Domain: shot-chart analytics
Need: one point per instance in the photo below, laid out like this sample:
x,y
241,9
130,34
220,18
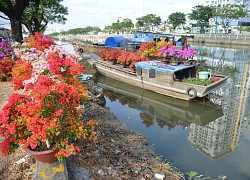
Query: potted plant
x,y
136,58
46,115
123,58
146,49
102,53
187,55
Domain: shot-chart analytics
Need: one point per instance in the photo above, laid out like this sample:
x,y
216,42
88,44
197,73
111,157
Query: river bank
x,y
221,39
118,153
217,39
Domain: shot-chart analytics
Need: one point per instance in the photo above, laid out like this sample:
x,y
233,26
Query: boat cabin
x,y
155,69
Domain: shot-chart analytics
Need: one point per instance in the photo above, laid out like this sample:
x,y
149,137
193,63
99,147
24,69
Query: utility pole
x,y
142,7
171,4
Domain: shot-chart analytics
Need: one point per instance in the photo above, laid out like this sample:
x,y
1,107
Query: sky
x,y
99,13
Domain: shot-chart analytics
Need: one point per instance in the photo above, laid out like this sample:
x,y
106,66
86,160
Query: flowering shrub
x,y
40,42
188,53
146,48
123,58
110,54
172,51
20,72
52,61
166,51
160,44
47,114
5,49
6,65
151,52
129,59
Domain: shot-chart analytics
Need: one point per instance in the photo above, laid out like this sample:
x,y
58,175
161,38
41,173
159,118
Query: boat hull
x,y
162,83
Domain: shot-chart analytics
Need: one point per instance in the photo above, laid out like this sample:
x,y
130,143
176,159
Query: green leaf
x,y
192,174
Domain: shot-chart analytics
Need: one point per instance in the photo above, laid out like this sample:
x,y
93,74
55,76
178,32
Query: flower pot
x,y
216,79
112,62
186,63
43,156
192,61
165,60
174,63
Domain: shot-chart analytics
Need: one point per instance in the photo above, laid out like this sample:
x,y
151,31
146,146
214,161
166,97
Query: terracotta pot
x,y
216,79
43,156
186,63
174,63
113,62
193,61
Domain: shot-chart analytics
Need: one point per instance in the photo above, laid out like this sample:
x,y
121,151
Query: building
x,y
245,21
5,33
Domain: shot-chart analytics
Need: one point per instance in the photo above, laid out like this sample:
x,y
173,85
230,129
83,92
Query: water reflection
x,y
239,53
163,110
222,136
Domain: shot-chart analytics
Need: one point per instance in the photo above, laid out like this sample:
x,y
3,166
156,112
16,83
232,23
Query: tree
x,y
107,29
229,12
176,19
201,14
34,14
127,25
139,24
116,27
38,14
14,11
148,22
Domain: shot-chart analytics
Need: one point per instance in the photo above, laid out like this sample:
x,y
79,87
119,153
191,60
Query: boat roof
x,y
156,65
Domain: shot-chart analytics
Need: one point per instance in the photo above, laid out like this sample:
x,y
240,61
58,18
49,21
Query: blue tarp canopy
x,y
156,65
114,41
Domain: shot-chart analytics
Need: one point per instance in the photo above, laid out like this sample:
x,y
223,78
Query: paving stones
x,y
53,171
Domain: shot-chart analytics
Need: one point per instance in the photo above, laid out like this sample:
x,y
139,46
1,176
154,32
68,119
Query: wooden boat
x,y
159,107
162,79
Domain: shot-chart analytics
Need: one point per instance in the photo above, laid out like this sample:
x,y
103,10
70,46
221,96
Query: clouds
x,y
100,13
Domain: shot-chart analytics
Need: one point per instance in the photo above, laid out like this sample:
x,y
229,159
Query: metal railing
x,y
224,36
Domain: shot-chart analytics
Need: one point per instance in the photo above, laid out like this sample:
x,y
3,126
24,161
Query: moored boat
x,y
160,78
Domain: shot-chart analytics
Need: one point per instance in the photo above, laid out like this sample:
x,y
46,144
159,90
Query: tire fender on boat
x,y
191,95
81,50
93,66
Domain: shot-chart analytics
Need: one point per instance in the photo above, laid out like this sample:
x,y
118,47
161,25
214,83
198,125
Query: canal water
x,y
211,138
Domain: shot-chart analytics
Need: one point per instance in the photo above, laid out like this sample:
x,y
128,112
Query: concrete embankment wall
x,y
240,40
219,39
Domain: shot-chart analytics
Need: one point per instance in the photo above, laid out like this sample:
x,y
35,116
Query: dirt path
x,y
5,91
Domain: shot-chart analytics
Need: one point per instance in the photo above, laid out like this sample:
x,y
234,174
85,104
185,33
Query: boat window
x,y
185,73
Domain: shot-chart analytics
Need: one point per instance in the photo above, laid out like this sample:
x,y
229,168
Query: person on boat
x,y
184,42
167,39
